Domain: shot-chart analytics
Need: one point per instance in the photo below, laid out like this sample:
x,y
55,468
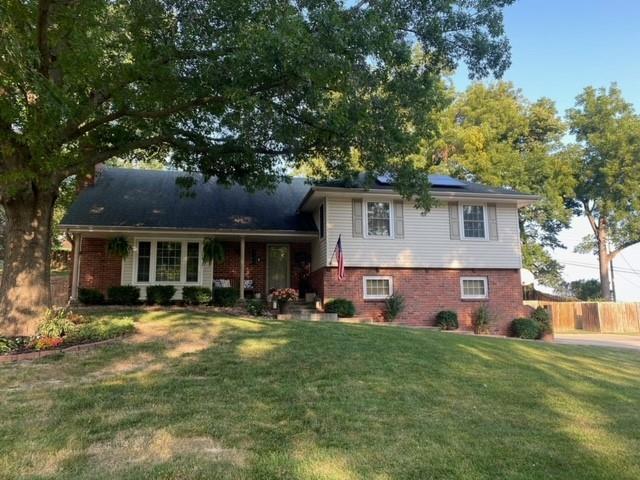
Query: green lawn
x,y
203,396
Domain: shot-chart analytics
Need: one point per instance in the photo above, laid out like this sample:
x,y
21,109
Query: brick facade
x,y
428,291
255,264
98,268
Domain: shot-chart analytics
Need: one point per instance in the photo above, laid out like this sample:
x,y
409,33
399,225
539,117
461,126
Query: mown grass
x,y
196,395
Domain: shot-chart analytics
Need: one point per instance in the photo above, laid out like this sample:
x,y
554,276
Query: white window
x,y
376,288
378,219
474,287
167,261
474,221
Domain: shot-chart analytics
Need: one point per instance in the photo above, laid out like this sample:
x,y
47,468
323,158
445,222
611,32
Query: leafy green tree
x,y
585,289
233,88
493,135
608,189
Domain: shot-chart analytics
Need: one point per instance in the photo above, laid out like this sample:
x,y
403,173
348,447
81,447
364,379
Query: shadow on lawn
x,y
230,398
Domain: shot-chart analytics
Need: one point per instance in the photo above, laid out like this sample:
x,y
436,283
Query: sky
x,y
558,47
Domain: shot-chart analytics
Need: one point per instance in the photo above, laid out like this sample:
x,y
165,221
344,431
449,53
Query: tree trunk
x,y
25,290
604,260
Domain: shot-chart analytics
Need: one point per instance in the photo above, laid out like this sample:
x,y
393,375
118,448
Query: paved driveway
x,y
599,340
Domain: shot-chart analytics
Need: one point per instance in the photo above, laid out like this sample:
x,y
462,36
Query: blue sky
x,y
559,47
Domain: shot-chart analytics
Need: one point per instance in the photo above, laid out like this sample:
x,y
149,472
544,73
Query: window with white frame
x,y
144,261
167,261
474,287
473,221
377,287
378,219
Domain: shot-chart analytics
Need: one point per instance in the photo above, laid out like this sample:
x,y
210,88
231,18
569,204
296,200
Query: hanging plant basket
x,y
212,251
119,246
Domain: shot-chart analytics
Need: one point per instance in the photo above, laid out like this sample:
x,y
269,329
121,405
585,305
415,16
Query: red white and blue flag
x,y
340,258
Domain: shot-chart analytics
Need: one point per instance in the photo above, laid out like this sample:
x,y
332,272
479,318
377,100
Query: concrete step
x,y
311,316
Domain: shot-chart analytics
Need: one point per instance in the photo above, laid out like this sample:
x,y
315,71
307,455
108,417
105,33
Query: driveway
x,y
599,340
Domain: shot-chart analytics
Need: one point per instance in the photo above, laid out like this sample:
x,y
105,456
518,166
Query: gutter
x,y
227,232
526,198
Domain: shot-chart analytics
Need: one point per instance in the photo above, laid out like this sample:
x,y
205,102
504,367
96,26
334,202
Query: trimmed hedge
x,y
341,306
225,297
90,296
196,295
447,320
525,328
123,295
160,294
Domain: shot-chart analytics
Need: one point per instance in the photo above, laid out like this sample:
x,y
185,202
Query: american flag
x,y
340,257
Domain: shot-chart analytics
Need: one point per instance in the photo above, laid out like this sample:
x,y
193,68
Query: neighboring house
x,y
462,254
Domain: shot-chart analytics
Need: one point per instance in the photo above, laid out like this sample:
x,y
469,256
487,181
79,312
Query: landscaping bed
x,y
61,329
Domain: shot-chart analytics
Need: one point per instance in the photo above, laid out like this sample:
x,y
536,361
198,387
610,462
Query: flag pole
x,y
334,250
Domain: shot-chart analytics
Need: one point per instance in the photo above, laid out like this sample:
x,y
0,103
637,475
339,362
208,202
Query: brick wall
x,y
427,291
255,264
98,268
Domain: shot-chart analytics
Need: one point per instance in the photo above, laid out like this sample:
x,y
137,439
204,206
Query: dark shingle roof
x,y
151,199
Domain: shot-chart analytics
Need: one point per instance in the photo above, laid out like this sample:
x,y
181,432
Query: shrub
x,y
525,328
90,296
160,294
99,330
341,306
482,320
225,297
255,307
13,344
447,320
541,315
123,295
55,323
196,295
394,306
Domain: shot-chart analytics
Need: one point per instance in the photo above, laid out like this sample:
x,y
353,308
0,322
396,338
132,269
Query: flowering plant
x,y
47,343
285,294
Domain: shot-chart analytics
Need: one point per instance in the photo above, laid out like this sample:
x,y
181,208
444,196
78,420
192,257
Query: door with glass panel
x,y
277,266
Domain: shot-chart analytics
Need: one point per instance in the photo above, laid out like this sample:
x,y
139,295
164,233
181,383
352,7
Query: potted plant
x,y
119,246
212,251
283,296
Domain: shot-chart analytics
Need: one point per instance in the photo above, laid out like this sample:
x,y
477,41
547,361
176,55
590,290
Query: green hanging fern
x,y
212,251
119,246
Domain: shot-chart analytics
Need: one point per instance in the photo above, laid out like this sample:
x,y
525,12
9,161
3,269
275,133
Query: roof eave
x,y
522,199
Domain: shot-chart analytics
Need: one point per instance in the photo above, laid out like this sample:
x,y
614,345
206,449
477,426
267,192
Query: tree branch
x,y
629,243
42,35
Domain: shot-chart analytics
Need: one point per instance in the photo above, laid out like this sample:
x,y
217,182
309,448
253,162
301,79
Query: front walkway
x,y
599,340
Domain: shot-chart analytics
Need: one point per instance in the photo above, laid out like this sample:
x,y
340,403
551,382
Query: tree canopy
x,y
237,89
608,181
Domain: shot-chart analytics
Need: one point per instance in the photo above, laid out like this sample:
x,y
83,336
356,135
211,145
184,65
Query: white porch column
x,y
75,272
241,268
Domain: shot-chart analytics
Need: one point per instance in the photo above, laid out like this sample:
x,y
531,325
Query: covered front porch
x,y
256,266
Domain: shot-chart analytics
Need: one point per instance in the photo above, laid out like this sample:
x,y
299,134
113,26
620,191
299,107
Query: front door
x,y
277,266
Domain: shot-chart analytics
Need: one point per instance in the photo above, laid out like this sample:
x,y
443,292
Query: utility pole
x,y
613,281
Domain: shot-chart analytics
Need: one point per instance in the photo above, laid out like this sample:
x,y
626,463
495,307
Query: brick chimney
x,y
89,179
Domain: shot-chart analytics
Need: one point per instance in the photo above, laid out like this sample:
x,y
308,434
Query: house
x,y
462,254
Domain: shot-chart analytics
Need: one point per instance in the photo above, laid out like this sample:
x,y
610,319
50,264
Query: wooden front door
x,y
278,266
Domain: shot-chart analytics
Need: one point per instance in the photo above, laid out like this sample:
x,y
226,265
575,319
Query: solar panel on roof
x,y
386,179
444,181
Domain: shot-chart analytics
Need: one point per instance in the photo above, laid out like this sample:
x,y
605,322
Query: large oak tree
x,y
239,89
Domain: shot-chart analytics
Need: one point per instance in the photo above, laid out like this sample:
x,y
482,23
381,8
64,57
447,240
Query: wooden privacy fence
x,y
603,317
